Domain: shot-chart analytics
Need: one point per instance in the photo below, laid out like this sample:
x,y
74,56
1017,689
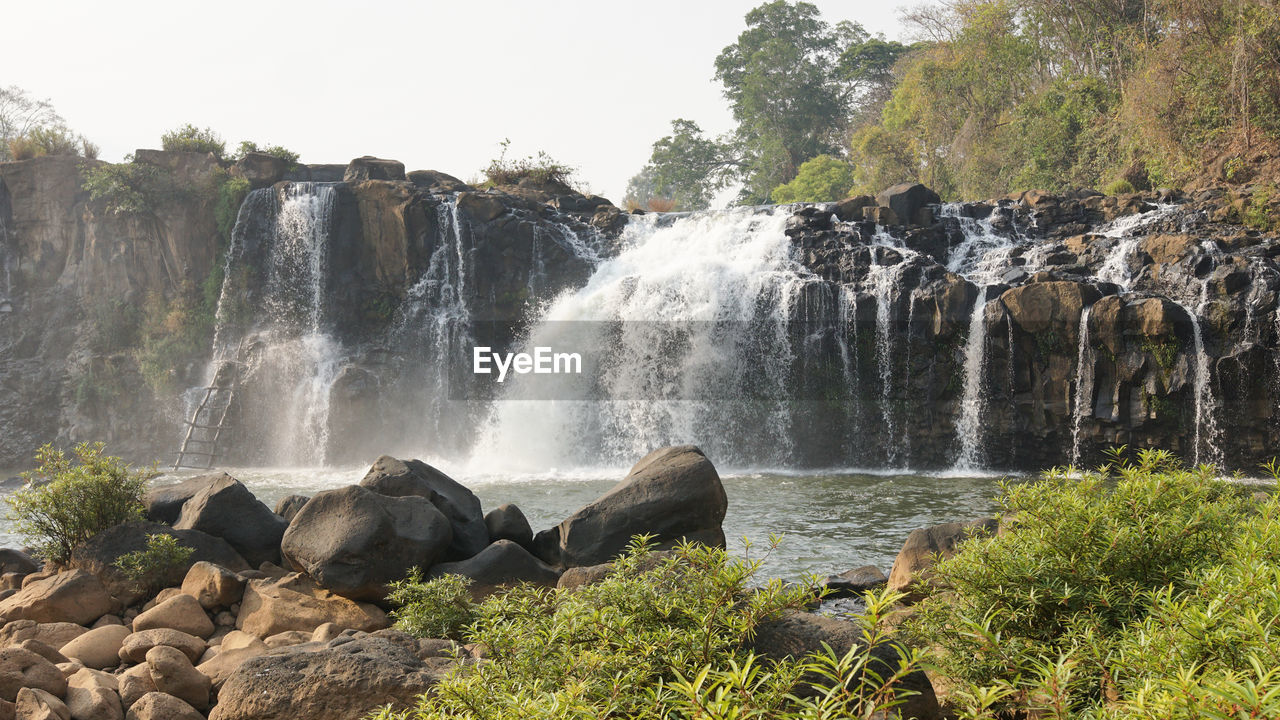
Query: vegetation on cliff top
x,y
993,96
31,128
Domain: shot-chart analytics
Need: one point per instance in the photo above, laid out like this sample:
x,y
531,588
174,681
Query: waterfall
x,y
1083,405
1206,403
685,337
885,280
972,402
1115,268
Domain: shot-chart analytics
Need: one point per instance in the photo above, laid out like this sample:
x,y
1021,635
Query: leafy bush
x,y
540,169
1088,597
128,188
660,636
190,138
70,499
440,608
231,193
148,568
1119,187
825,178
248,146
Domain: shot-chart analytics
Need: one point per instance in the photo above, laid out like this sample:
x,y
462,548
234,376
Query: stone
x,y
502,564
51,634
294,602
135,683
289,506
226,509
74,596
507,522
36,704
70,667
135,647
354,541
21,668
163,596
262,170
221,666
372,168
106,620
401,478
850,209
436,181
45,651
1055,307
910,569
577,577
160,706
1168,249
799,634
87,678
671,493
481,207
173,673
164,502
99,648
16,561
852,583
11,581
906,199
288,638
181,612
213,586
99,554
94,703
332,683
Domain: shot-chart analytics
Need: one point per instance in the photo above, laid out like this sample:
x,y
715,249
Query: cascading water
x,y
1083,401
885,282
687,332
1116,267
1207,437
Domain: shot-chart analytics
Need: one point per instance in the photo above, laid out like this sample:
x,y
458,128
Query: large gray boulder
x,y
16,561
672,493
164,502
372,168
353,541
225,508
98,555
507,522
907,200
502,564
339,680
401,478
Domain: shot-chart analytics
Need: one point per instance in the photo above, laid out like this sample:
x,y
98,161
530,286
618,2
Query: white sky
x,y
436,85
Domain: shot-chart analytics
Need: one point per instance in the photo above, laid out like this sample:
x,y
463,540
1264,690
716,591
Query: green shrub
x,y
1052,614
128,188
439,608
1118,187
825,178
147,569
50,140
190,138
1259,212
70,499
231,194
176,331
248,146
660,636
540,169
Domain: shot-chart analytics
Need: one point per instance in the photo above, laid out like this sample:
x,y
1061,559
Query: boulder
x,y
173,673
135,683
262,170
164,502
436,181
798,634
502,564
74,596
288,638
910,569
481,207
672,493
907,200
1055,307
294,602
850,209
226,509
400,478
16,561
289,506
507,522
213,586
354,541
372,168
94,703
161,706
99,554
21,668
345,679
51,634
180,612
134,649
231,655
852,583
36,704
45,651
99,648
89,678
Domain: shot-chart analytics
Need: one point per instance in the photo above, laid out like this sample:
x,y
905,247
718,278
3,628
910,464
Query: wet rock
x,y
226,509
400,478
1054,306
852,583
354,541
164,502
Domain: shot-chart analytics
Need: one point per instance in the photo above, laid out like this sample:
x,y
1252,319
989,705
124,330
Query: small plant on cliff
x,y
50,140
1119,187
438,608
661,636
541,169
231,194
175,331
248,146
70,499
148,568
190,138
127,188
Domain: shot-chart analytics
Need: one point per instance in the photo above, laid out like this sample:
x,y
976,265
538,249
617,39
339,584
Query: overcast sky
x,y
434,84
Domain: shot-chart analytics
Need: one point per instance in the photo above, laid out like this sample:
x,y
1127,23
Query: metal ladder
x,y
205,427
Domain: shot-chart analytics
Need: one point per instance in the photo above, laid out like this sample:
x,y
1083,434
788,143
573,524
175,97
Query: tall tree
x,y
20,114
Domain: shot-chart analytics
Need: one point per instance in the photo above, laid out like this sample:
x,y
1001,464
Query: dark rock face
x,y
353,541
289,506
504,563
99,553
344,679
164,503
16,561
907,200
671,493
399,478
507,522
225,508
372,168
262,170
